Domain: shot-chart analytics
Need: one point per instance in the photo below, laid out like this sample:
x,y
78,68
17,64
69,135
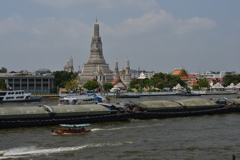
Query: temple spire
x,y
116,74
96,29
127,66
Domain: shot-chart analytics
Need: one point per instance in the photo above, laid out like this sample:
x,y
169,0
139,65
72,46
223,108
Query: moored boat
x,y
83,99
18,96
187,93
72,128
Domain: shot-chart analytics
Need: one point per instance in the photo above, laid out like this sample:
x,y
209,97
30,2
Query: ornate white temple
x,y
96,67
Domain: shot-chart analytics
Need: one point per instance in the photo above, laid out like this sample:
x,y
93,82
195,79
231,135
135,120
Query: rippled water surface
x,y
208,137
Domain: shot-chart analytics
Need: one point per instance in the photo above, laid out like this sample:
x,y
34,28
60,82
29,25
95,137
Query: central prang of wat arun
x,y
96,67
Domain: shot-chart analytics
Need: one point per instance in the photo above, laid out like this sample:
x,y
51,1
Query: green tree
x,y
3,84
91,85
72,85
203,82
140,83
107,86
3,70
61,78
231,78
146,82
134,83
162,80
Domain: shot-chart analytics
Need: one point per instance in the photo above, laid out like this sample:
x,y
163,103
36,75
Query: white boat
x,y
82,99
18,96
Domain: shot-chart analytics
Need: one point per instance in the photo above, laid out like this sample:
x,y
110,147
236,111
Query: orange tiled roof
x,y
118,80
176,72
115,81
182,73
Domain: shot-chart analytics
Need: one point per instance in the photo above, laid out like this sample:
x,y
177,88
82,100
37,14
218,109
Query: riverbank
x,y
139,94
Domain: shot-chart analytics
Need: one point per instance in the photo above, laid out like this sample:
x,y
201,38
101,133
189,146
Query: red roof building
x,y
182,73
118,83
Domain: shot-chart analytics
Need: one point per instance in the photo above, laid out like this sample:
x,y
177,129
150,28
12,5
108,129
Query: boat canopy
x,y
74,125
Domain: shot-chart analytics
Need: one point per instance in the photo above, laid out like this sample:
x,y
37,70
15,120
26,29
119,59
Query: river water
x,y
207,137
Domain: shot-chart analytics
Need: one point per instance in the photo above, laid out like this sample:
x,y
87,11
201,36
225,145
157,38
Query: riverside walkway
x,y
167,93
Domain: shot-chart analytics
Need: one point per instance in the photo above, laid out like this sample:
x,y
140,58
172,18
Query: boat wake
x,y
33,151
120,128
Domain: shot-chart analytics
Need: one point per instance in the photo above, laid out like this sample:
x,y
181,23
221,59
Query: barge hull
x,y
69,120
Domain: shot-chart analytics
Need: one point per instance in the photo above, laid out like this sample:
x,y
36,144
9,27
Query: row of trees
x,y
70,81
231,78
91,85
227,79
159,80
162,80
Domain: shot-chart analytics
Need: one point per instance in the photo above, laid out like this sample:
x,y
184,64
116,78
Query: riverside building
x,y
30,83
136,73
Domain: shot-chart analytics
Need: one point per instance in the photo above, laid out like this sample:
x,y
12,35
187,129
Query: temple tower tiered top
x,y
96,67
125,75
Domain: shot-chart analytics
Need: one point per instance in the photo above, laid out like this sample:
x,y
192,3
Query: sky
x,y
156,35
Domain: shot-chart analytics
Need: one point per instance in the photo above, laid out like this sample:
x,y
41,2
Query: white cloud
x,y
194,24
159,22
52,40
103,4
15,23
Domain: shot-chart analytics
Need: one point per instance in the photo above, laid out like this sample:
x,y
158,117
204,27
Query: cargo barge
x,y
182,108
44,115
70,114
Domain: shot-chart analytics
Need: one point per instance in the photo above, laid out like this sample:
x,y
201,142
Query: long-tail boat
x,y
72,128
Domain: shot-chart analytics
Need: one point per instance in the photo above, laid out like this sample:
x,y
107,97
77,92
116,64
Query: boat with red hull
x,y
72,128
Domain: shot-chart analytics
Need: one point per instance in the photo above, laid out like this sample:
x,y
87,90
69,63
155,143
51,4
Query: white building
x,y
137,73
218,74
